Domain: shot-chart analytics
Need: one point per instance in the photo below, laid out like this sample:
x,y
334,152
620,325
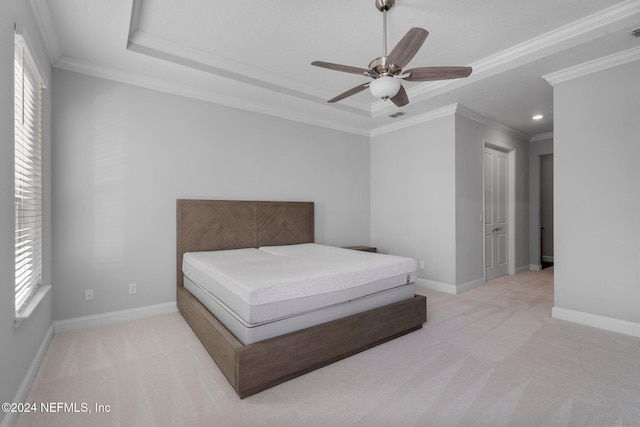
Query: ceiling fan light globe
x,y
384,87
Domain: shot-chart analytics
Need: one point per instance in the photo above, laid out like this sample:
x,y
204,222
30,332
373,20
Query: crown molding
x,y
145,43
557,39
470,114
431,115
594,66
447,111
159,48
541,137
71,64
42,14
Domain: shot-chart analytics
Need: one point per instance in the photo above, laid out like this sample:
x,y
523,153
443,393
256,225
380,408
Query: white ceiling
x,y
256,55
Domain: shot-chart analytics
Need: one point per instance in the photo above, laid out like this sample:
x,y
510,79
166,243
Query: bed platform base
x,y
256,367
211,225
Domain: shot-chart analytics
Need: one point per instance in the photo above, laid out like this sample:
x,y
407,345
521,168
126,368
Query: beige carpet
x,y
489,357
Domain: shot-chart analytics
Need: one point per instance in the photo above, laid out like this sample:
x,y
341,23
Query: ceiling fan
x,y
387,70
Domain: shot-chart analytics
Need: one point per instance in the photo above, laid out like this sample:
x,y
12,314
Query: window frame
x,y
28,93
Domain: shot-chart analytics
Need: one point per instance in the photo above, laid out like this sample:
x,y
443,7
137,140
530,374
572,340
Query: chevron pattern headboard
x,y
212,225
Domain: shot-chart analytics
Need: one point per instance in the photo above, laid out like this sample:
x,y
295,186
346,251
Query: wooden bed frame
x,y
207,225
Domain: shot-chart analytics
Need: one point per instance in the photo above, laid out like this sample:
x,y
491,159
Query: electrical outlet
x,y
88,294
133,288
421,264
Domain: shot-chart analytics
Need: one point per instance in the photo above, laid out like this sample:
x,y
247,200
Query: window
x,y
28,178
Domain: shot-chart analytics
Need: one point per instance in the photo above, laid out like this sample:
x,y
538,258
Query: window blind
x,y
28,175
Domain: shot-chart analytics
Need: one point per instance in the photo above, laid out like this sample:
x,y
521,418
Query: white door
x,y
496,213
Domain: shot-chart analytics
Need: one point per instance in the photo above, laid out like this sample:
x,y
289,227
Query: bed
x,y
254,359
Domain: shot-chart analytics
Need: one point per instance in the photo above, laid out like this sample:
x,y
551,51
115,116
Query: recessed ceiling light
x,y
537,117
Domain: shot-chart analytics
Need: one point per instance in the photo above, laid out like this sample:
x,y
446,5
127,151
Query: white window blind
x,y
28,175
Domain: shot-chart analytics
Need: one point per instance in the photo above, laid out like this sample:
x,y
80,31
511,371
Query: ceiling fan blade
x,y
338,67
407,47
401,99
350,92
426,74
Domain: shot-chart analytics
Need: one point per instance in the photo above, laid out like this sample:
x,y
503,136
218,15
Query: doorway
x,y
546,210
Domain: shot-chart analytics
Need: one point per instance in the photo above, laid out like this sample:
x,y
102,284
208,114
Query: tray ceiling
x,y
256,55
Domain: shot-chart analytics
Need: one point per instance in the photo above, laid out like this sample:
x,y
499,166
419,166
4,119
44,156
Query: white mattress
x,y
260,285
251,333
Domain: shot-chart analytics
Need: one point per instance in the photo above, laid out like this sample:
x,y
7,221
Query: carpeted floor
x,y
492,356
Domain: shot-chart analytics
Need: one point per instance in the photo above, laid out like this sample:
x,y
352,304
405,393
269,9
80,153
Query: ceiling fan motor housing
x,y
384,4
379,67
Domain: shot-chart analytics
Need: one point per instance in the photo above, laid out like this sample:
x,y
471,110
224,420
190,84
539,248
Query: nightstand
x,y
363,248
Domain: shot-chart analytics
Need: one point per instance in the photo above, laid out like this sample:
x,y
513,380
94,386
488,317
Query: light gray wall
x,y
537,148
123,156
471,136
469,201
427,197
19,345
413,196
597,193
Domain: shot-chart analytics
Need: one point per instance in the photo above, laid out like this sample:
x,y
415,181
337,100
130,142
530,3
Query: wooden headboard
x,y
212,225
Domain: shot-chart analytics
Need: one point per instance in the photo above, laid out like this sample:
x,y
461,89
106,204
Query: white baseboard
x,y
448,288
11,418
470,285
522,269
535,267
597,321
113,317
547,258
436,286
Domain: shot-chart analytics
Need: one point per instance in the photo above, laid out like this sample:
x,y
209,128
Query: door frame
x,y
511,202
